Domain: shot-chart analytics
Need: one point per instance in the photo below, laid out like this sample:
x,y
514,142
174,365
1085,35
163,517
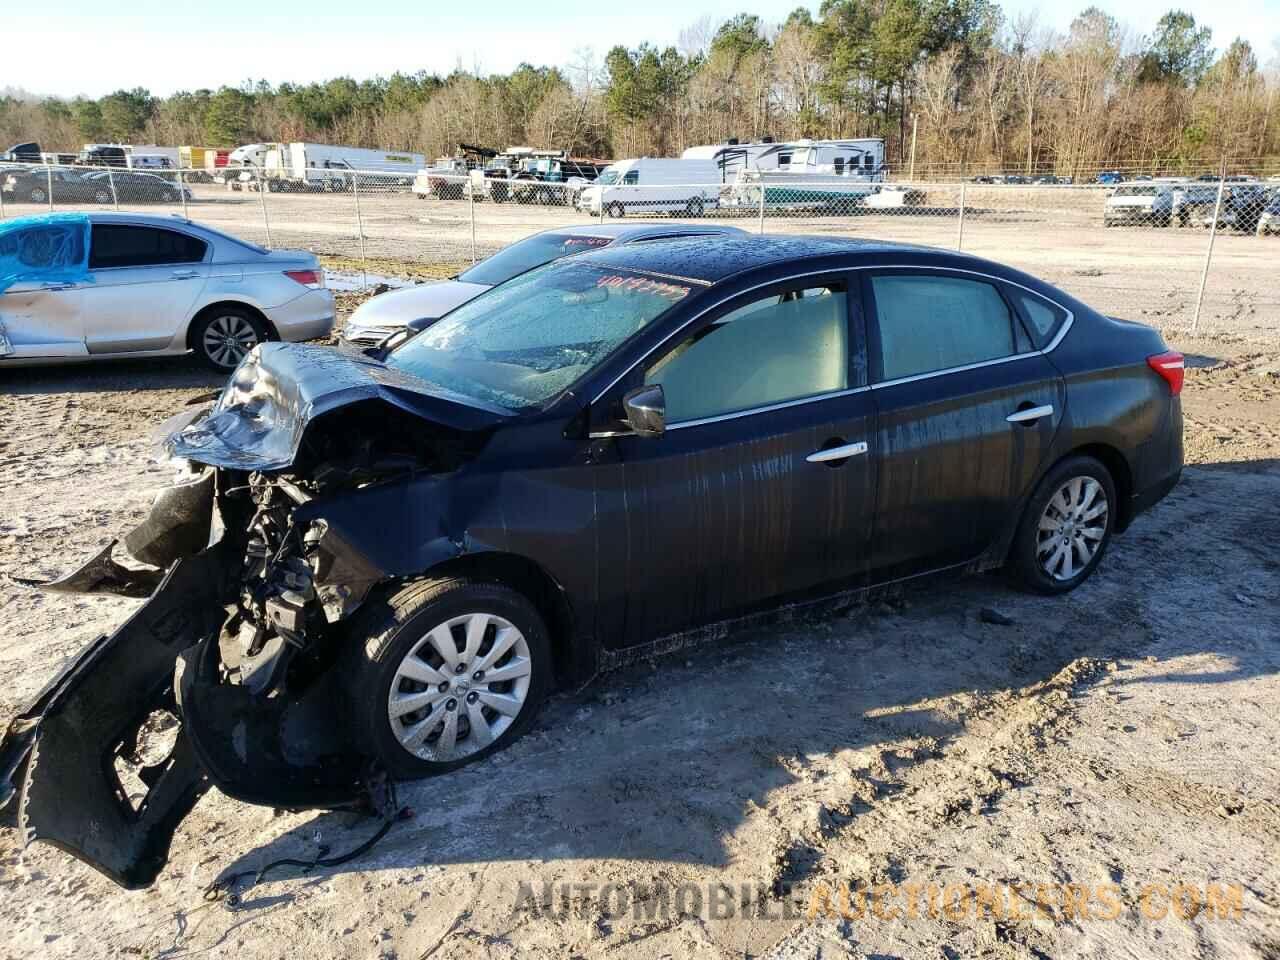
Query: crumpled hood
x,y
262,415
392,310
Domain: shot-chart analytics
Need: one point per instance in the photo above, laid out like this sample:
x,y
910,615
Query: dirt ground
x,y
1123,736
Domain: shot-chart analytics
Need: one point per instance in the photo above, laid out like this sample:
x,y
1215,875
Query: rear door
x,y
145,281
967,411
761,487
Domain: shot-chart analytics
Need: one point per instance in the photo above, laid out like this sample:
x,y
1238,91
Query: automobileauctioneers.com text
x,y
889,902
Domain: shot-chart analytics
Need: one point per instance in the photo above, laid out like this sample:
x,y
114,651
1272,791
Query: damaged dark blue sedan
x,y
379,568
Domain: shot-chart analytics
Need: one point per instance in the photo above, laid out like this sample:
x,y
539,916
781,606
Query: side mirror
x,y
418,324
645,409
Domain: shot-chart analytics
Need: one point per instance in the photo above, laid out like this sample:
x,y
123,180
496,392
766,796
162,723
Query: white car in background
x,y
155,286
377,318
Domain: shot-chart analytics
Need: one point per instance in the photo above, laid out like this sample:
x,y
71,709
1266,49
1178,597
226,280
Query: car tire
x,y
616,210
169,196
405,699
102,196
694,208
212,332
38,195
1059,541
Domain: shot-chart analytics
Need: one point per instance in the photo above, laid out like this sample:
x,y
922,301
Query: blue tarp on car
x,y
53,248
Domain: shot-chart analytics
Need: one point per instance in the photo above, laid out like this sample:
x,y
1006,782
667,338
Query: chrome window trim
x,y
1048,348
736,414
769,408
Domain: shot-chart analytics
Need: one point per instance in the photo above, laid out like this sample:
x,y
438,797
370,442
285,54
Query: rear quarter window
x,y
1042,317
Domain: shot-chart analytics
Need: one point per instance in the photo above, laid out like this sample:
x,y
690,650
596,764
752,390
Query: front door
x,y
145,281
968,409
761,488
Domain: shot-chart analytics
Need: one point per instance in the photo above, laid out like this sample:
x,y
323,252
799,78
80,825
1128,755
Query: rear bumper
x,y
308,317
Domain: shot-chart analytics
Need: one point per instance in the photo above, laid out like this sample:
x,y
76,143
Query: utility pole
x,y
915,123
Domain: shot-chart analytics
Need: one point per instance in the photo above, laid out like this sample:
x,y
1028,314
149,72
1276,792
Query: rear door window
x,y
929,323
116,245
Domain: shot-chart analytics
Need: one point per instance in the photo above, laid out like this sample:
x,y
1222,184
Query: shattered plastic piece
x,y
62,748
101,574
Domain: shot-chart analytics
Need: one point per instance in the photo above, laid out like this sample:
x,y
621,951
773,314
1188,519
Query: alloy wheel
x,y
460,687
228,339
1072,528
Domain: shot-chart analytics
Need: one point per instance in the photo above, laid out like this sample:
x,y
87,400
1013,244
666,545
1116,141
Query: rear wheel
x,y
615,210
102,196
38,195
1066,527
224,336
694,207
444,673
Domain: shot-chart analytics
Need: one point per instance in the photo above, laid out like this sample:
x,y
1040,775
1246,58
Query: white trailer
x,y
859,158
653,185
320,166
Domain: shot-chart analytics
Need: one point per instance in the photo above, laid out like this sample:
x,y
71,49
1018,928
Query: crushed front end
x,y
233,662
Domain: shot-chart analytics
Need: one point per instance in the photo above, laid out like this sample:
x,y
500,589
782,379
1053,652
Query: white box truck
x,y
653,185
321,166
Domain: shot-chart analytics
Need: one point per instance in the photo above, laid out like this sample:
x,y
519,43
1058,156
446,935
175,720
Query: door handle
x,y
1030,413
57,286
185,274
838,453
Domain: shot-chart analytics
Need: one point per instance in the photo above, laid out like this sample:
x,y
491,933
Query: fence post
x,y
49,172
182,193
262,193
471,194
364,256
762,205
1208,253
1,203
111,182
960,230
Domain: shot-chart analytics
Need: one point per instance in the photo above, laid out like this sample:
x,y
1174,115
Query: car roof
x,y
629,232
712,259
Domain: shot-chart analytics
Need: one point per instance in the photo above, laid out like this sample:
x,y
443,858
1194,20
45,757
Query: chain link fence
x,y
1189,254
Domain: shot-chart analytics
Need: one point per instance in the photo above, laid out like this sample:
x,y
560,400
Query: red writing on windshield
x,y
668,291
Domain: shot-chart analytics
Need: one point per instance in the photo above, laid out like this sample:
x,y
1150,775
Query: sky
x,y
93,48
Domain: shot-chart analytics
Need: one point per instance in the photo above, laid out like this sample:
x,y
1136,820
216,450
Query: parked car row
x,y
379,565
1248,207
66,185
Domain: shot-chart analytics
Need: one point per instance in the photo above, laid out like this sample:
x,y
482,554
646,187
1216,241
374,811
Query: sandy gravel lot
x,y
1125,735
1054,232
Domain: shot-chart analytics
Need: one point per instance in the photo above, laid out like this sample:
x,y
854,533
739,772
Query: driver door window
x,y
776,349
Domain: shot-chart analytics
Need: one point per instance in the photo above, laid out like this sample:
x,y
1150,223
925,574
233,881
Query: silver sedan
x,y
149,286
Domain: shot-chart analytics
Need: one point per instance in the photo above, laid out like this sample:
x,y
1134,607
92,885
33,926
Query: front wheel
x,y
38,195
1066,527
694,207
445,672
615,210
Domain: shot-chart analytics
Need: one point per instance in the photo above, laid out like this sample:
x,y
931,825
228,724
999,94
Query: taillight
x,y
308,278
1171,366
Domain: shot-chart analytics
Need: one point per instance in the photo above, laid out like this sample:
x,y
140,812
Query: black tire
x,y
38,195
1023,563
169,196
384,634
616,210
102,196
694,208
208,353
